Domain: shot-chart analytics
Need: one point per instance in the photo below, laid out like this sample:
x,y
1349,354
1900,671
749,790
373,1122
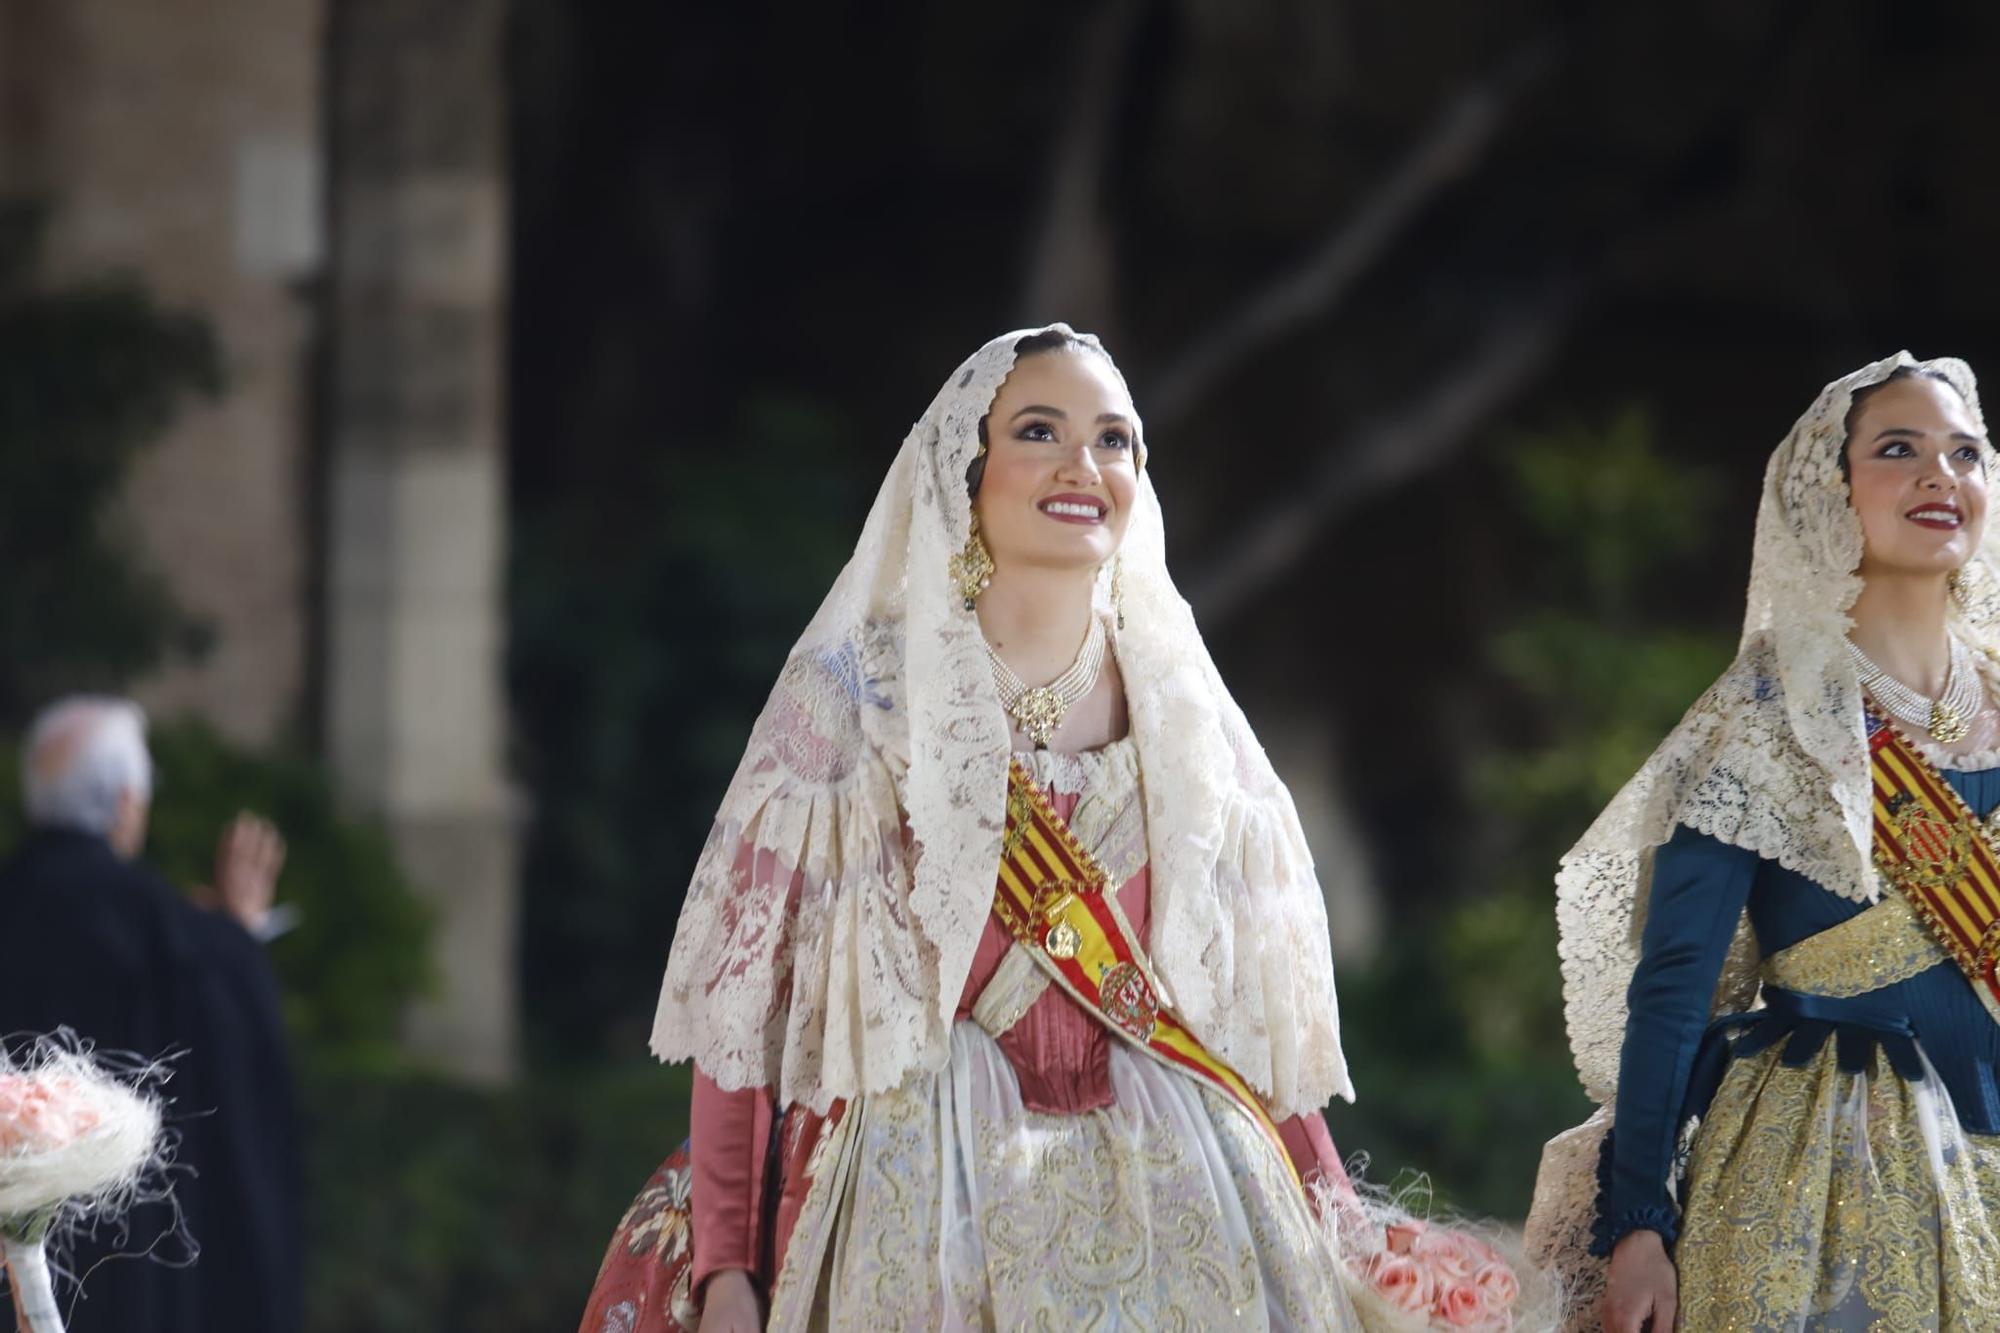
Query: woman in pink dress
x,y
1087,1096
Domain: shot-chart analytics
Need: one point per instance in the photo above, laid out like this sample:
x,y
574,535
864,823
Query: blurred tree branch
x,y
1071,270
1453,144
1515,348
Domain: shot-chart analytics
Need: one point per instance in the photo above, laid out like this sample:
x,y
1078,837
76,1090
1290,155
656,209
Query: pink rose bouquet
x,y
44,1114
74,1140
1405,1284
1429,1276
1452,1264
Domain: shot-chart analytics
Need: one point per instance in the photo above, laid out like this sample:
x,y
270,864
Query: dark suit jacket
x,y
107,948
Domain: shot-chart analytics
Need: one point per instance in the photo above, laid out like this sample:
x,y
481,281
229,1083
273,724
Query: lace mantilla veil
x,y
1772,758
834,911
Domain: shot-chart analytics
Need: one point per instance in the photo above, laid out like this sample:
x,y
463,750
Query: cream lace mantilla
x,y
834,911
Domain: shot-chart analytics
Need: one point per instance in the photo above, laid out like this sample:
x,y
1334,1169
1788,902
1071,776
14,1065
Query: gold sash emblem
x,y
1128,1001
1938,850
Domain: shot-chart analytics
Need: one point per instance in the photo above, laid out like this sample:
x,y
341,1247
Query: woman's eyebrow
x,y
1913,432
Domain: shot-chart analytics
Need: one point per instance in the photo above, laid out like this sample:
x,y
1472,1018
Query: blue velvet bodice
x,y
1700,888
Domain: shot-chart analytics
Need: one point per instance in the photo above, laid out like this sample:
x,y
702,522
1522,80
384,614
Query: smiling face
x,y
1061,472
1916,477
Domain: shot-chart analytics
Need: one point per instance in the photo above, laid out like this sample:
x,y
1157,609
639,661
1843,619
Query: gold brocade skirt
x,y
1823,1200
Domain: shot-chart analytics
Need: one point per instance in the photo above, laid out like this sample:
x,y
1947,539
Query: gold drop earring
x,y
972,568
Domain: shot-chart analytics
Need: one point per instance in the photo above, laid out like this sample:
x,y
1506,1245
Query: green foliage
x,y
1589,661
1605,696
1607,510
88,376
362,948
647,627
1476,1063
1454,1035
436,1206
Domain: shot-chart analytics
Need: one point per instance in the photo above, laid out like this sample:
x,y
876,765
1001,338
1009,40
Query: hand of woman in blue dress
x,y
729,1304
1641,1295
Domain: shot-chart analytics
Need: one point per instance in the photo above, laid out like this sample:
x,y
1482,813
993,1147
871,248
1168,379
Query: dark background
x,y
1485,317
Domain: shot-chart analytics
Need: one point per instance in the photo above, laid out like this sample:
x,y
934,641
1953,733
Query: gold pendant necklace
x,y
1038,710
1947,719
1946,726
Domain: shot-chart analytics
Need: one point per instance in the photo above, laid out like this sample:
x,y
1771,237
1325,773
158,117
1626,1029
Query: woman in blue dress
x,y
1778,939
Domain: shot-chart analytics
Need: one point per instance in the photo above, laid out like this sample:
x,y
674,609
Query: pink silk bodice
x,y
1060,1054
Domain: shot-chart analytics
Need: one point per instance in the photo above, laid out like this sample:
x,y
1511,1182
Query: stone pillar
x,y
1301,748
180,141
413,709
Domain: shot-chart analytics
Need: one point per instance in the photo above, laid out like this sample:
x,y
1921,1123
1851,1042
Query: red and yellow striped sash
x,y
1934,850
1056,902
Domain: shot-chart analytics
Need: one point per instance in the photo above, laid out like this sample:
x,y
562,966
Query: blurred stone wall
x,y
322,180
179,140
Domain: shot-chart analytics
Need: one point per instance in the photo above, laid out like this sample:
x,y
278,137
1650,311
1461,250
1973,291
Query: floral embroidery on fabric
x,y
657,1221
643,1284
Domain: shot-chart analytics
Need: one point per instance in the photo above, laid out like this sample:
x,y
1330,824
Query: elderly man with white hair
x,y
97,943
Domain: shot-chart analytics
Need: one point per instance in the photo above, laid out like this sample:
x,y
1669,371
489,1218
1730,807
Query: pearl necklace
x,y
1039,710
1946,718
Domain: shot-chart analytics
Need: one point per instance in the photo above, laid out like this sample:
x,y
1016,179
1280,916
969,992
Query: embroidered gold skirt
x,y
1834,1202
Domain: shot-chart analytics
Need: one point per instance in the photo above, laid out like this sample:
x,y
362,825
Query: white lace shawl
x,y
1772,758
833,914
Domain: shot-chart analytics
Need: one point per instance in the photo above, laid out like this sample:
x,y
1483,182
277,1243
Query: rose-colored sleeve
x,y
1311,1146
730,1134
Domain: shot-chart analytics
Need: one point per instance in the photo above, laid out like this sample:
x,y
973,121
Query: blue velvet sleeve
x,y
1700,888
